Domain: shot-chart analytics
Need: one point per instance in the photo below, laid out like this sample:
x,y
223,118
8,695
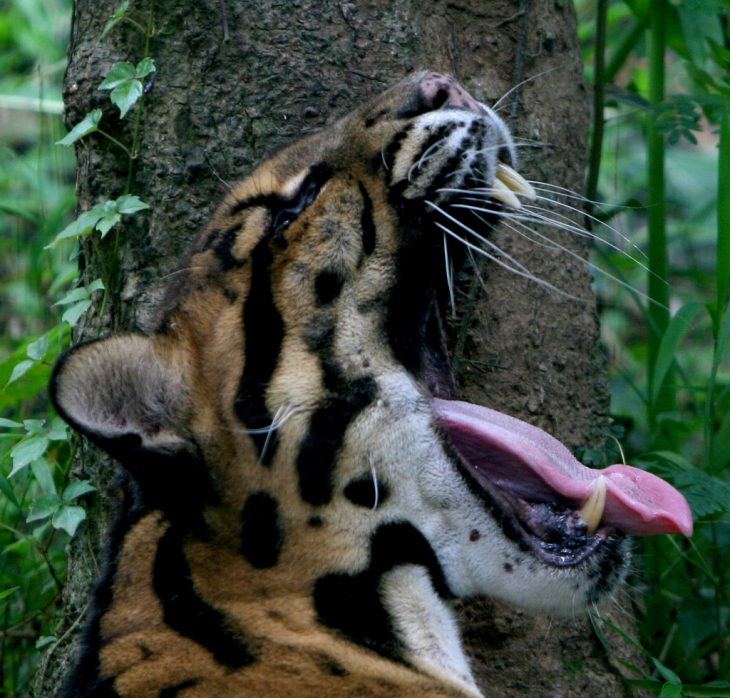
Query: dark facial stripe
x,y
367,222
187,613
351,603
264,330
224,248
346,399
261,534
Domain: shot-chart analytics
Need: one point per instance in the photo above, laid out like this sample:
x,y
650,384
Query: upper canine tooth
x,y
515,181
503,193
592,510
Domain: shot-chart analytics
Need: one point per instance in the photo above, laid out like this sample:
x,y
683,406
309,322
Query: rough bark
x,y
237,79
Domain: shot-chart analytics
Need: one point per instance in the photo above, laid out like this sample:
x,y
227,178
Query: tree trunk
x,y
238,79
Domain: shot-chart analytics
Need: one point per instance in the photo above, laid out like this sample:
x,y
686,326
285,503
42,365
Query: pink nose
x,y
440,90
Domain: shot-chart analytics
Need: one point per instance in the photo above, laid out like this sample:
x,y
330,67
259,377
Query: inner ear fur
x,y
123,392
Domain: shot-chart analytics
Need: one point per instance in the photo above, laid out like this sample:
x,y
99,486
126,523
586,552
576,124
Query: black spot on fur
x,y
375,118
367,222
351,603
189,614
315,521
264,331
361,491
346,398
331,666
261,534
508,567
172,691
327,286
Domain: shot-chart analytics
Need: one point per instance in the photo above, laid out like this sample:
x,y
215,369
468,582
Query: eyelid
x,y
305,189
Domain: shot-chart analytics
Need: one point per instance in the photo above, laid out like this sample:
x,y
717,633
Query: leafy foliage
x,y
675,400
41,506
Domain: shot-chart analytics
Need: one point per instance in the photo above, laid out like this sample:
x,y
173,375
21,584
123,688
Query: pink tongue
x,y
526,460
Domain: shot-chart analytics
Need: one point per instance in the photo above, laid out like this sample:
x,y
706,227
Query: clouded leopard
x,y
308,495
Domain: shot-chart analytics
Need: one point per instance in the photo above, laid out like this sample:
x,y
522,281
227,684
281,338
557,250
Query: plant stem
x,y
658,310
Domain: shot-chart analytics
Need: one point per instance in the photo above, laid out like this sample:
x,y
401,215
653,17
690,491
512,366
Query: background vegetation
x,y
661,154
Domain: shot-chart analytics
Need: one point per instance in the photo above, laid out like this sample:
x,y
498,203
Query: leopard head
x,y
293,407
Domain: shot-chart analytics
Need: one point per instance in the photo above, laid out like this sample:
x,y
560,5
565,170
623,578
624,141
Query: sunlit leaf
x,y
118,74
74,295
87,125
106,223
26,452
68,518
144,68
72,314
77,489
117,17
20,370
43,475
9,423
129,203
43,507
44,641
38,349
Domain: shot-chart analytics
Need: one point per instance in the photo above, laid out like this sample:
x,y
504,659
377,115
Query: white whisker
x,y
375,482
495,106
449,277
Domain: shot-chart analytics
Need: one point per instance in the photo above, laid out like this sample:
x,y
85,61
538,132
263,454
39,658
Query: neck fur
x,y
427,627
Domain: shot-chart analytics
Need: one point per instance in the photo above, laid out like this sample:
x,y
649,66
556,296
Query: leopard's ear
x,y
124,393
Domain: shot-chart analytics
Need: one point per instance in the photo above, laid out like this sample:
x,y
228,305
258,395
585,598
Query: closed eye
x,y
286,210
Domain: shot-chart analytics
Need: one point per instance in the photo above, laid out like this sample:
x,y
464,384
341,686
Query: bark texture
x,y
238,79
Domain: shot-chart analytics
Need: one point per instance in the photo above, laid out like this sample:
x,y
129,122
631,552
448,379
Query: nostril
x,y
440,98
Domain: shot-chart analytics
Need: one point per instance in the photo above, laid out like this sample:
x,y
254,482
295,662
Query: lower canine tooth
x,y
592,510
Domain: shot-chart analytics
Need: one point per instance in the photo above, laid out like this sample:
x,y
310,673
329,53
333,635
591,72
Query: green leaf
x,y
117,17
666,673
96,284
34,426
42,473
74,295
675,332
26,452
77,489
72,314
118,74
68,518
129,203
43,507
38,349
83,225
108,222
20,370
87,125
671,690
58,431
9,423
144,68
7,490
126,95
44,641
7,592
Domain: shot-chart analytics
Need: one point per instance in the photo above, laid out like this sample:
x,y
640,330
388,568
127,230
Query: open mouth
x,y
555,507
